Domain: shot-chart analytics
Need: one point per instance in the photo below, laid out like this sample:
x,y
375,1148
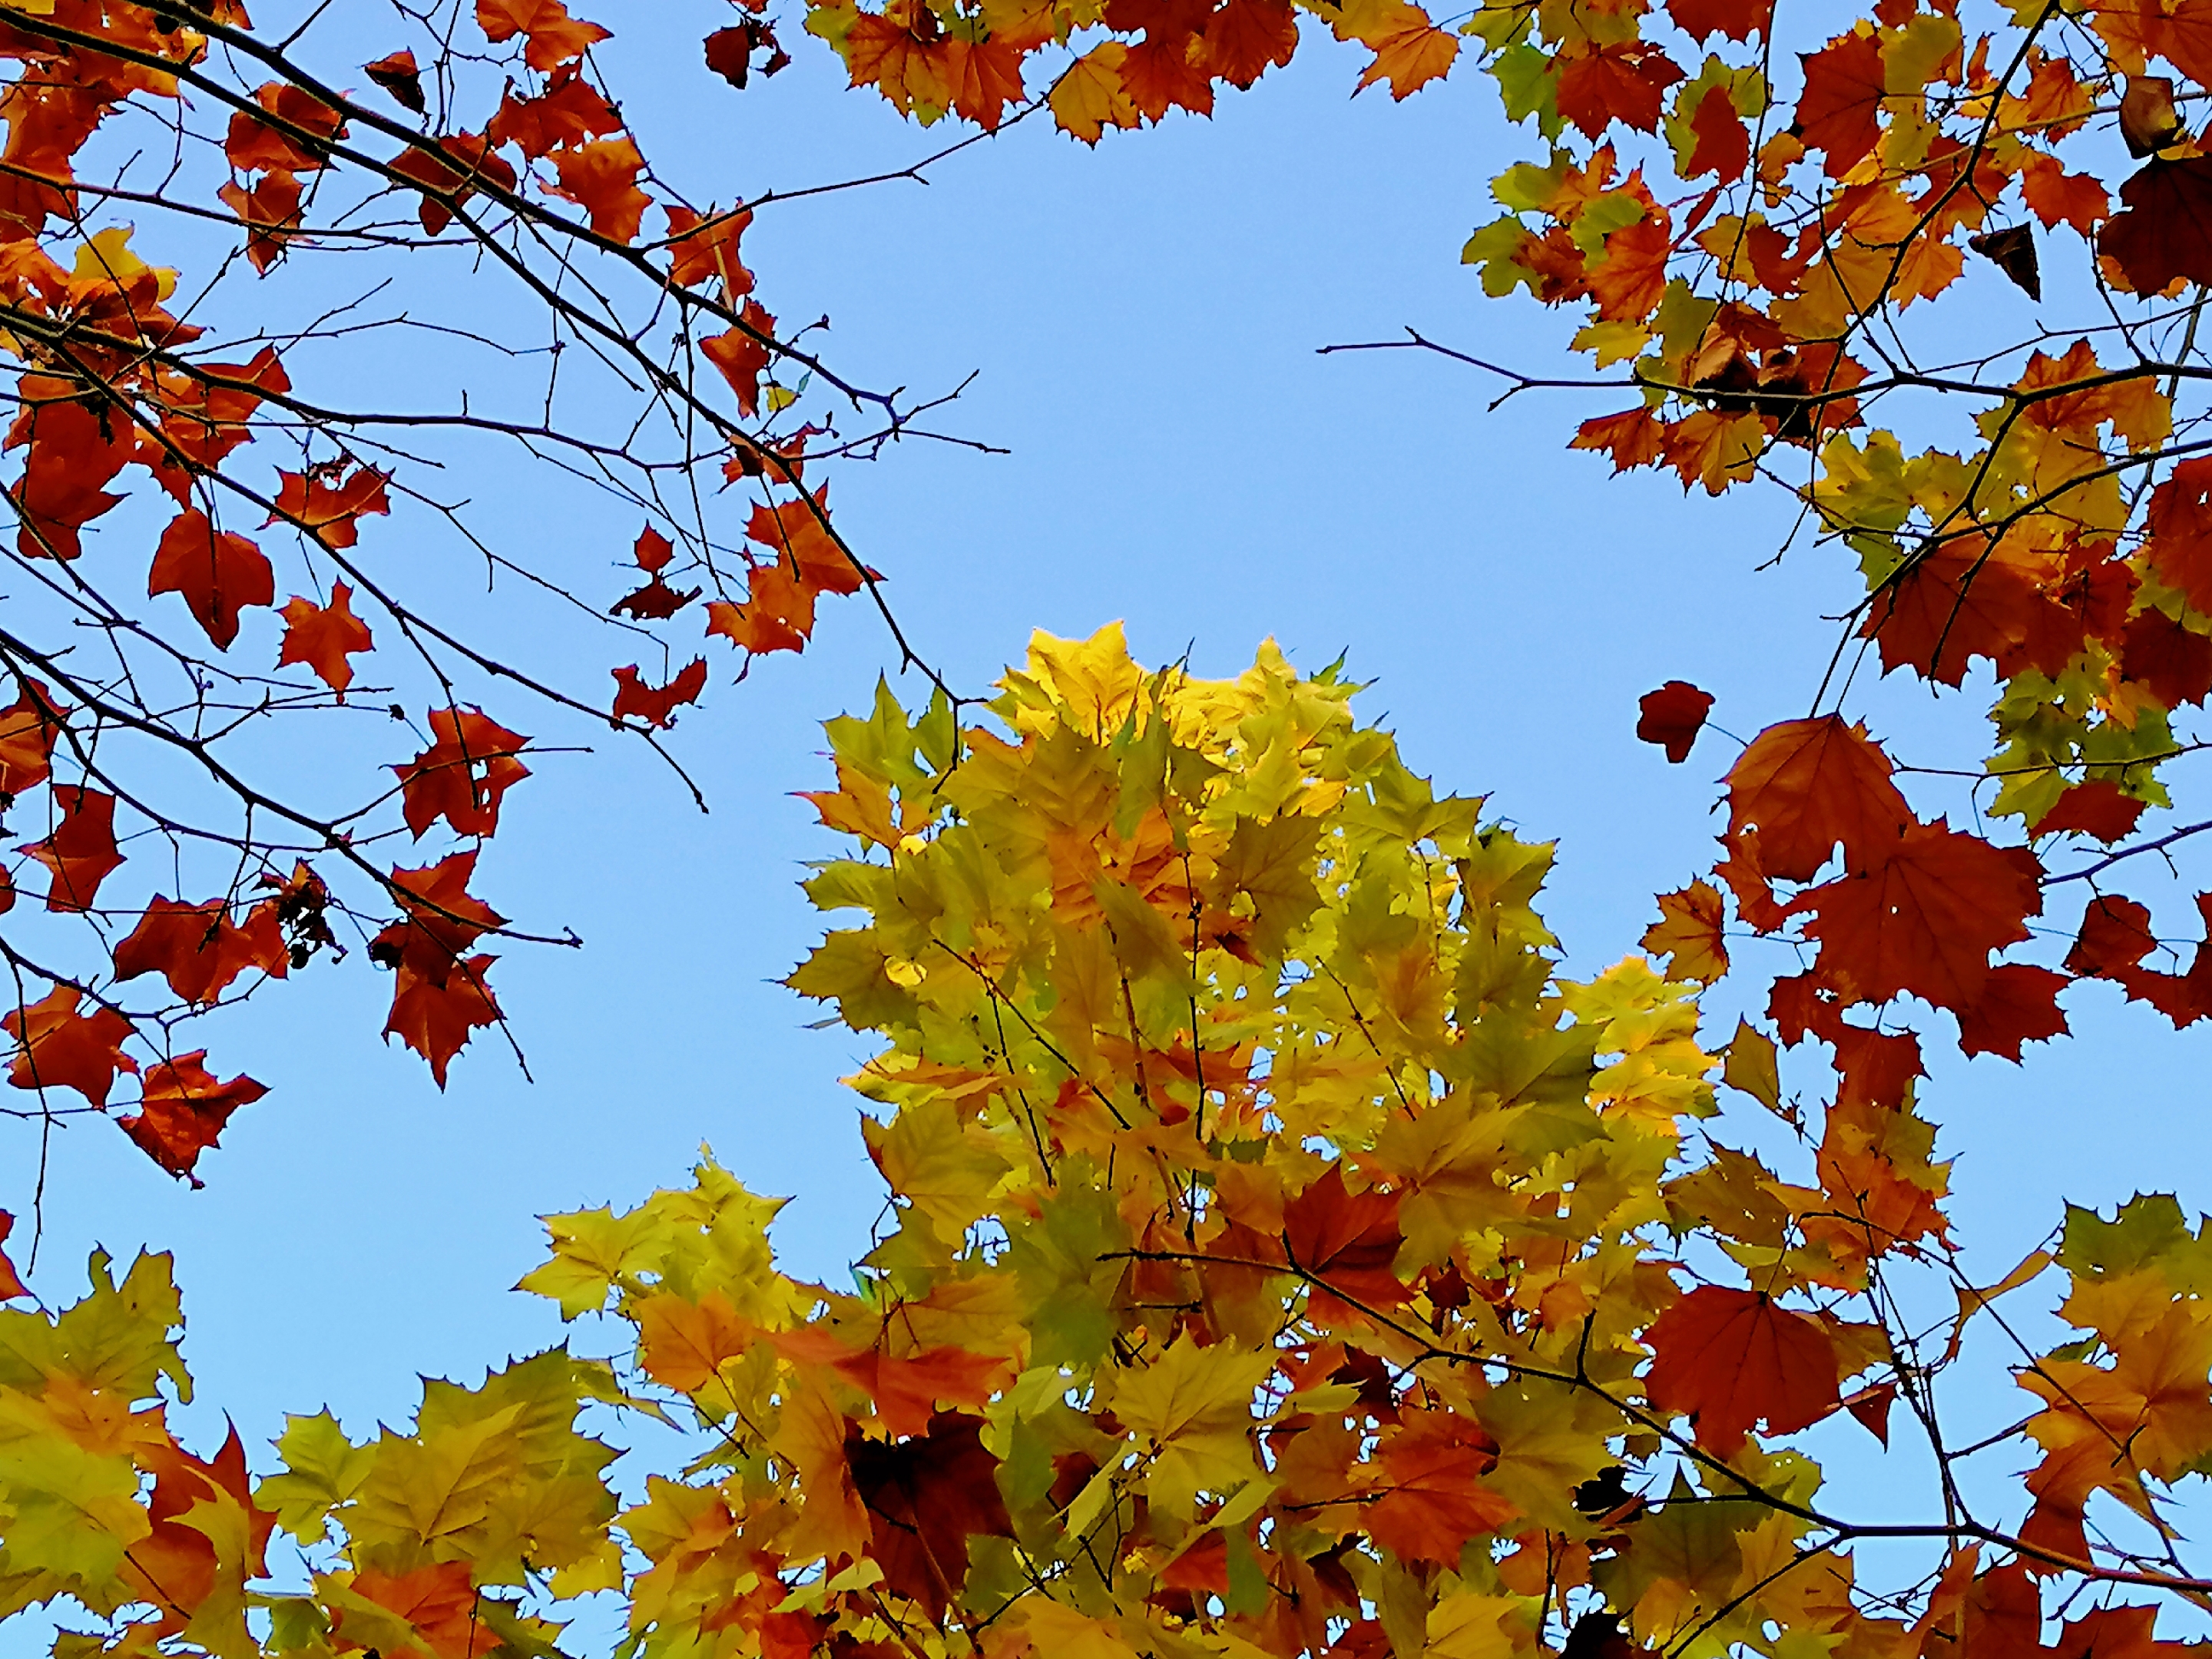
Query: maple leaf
x,y
797,531
1410,49
324,637
1635,437
269,209
28,728
1244,39
601,178
1689,930
449,170
2163,232
1090,96
219,574
926,1497
553,37
469,765
2096,807
199,950
182,1111
704,248
1625,82
1730,1359
741,356
81,853
2059,197
2018,1004
2180,522
1806,785
441,919
1430,1499
1348,1242
398,75
73,455
1838,112
657,705
2013,252
58,1047
1738,20
324,502
2170,659
11,1283
1922,915
290,145
1672,717
777,615
435,1015
1723,143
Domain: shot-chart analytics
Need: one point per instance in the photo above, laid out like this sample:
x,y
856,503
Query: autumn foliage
x,y
1283,1259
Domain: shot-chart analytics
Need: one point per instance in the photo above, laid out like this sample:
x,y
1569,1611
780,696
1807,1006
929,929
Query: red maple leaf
x,y
656,705
1672,717
1348,1241
462,775
11,1284
1730,1358
1739,19
1838,111
182,1111
1724,145
254,145
2163,235
324,637
434,1017
1806,785
441,919
449,172
218,572
703,249
58,1047
926,1497
1625,82
2115,935
796,531
199,950
1923,916
570,110
741,354
81,852
2019,1004
28,728
2174,660
2094,808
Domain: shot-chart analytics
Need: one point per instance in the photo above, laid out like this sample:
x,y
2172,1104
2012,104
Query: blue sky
x,y
1141,321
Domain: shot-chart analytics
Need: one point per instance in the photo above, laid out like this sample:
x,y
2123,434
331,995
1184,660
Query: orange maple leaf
x,y
219,574
1806,785
1730,1358
571,111
1348,1242
81,852
795,530
601,178
741,354
434,1018
58,1047
469,765
439,1601
1429,1496
704,248
656,705
182,1110
28,728
326,501
777,615
199,950
554,38
449,170
324,637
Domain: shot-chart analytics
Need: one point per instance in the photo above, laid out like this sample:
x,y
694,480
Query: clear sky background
x,y
1142,322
